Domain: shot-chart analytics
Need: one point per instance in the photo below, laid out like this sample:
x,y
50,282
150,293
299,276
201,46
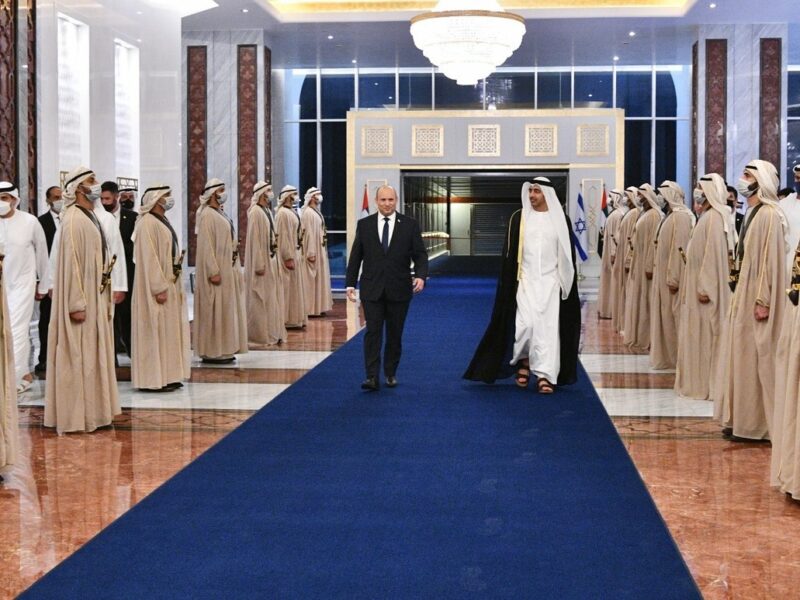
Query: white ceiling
x,y
548,42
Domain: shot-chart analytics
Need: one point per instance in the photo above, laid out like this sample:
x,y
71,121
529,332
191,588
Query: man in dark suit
x,y
386,243
126,219
734,204
49,222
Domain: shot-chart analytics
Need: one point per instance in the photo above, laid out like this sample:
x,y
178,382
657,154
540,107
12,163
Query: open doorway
x,y
464,215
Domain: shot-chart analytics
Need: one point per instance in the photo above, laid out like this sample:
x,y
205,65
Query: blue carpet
x,y
439,488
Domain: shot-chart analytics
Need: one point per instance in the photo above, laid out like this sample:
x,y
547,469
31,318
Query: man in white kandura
x,y
26,262
315,268
545,278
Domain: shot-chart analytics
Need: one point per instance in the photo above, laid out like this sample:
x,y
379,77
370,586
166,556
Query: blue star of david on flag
x,y
579,230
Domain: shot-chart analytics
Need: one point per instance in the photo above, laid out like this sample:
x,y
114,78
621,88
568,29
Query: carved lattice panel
x,y
541,140
428,141
377,141
484,140
593,140
9,157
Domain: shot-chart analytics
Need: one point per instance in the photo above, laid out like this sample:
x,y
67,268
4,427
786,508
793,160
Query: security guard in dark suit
x,y
49,224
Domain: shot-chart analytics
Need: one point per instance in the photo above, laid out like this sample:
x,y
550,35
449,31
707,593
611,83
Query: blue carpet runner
x,y
439,488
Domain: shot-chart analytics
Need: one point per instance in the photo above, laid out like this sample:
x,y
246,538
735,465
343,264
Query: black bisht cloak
x,y
492,357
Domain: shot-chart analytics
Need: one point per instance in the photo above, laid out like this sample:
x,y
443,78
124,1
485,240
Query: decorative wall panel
x,y
267,115
484,140
377,141
33,137
9,108
427,141
247,144
770,101
197,135
716,106
541,140
593,140
695,105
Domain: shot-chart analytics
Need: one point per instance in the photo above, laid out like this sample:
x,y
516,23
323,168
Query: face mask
x,y
222,197
319,199
58,206
270,196
745,188
5,208
697,196
169,202
94,192
662,202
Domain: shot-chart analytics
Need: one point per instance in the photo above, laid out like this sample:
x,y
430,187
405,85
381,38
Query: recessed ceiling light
x,y
616,58
354,61
138,12
139,40
330,37
591,96
376,83
391,98
631,34
245,10
712,5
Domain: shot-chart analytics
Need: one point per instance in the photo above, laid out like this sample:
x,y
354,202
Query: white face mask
x,y
169,202
270,195
5,207
94,192
319,199
744,187
697,196
223,197
58,206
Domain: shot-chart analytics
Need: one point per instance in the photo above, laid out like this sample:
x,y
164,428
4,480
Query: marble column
x,y
267,115
32,113
197,136
9,96
754,88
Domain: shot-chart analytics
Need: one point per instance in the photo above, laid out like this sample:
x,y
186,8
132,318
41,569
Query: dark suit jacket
x,y
127,221
48,223
390,272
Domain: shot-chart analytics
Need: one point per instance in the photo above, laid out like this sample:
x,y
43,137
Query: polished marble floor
x,y
738,536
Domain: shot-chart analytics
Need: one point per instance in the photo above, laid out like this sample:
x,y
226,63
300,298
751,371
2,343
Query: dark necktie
x,y
385,236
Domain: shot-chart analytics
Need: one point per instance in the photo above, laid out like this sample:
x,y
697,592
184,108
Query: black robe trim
x,y
492,357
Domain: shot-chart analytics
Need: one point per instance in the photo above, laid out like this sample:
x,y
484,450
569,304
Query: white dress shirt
x,y
392,219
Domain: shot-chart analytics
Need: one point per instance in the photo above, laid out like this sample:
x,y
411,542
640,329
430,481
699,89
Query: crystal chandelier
x,y
469,39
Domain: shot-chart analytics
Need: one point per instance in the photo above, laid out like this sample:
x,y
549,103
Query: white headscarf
x,y
566,272
633,194
212,185
767,177
312,191
716,192
649,195
673,193
287,189
616,198
150,198
6,187
259,189
75,178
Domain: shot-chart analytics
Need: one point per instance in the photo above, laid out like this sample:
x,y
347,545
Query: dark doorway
x,y
464,215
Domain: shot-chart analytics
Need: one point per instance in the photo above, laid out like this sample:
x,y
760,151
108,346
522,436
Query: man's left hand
x,y
419,285
761,312
648,275
118,297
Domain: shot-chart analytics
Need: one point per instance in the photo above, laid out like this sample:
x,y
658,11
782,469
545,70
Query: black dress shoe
x,y
219,361
391,381
370,384
40,368
727,432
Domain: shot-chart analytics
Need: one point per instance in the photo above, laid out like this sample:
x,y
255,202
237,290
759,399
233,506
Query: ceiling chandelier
x,y
469,39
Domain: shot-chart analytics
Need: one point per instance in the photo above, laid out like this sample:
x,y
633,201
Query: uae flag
x,y
603,209
365,203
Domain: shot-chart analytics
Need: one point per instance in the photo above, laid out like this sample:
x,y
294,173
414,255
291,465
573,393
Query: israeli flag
x,y
580,230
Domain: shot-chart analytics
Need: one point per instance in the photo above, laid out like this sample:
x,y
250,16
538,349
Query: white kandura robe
x,y
25,248
539,299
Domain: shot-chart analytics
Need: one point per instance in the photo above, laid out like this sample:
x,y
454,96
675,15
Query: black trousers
x,y
122,325
44,326
391,315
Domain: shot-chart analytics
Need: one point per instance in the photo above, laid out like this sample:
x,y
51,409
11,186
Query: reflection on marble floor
x,y
738,536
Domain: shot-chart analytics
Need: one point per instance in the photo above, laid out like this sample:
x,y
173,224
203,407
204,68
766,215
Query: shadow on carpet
x,y
439,488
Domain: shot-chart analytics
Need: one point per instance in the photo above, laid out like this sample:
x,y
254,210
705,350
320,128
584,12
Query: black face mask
x,y
127,204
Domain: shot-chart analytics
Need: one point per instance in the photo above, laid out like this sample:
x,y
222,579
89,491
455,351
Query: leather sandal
x,y
545,387
523,376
